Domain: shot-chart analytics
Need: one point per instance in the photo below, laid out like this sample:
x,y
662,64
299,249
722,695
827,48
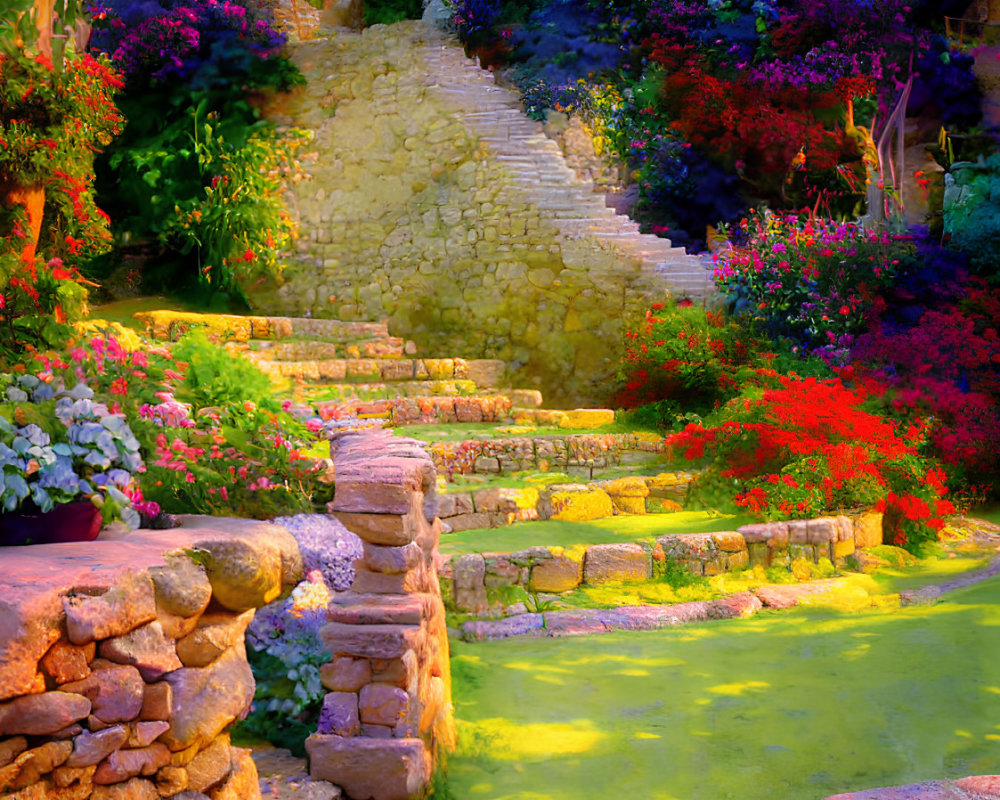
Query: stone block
x,y
390,560
127,605
403,672
211,766
393,530
469,522
798,531
90,748
368,582
556,575
146,648
65,662
135,789
346,674
358,609
244,784
181,586
468,583
773,534
821,531
116,692
587,418
575,505
214,635
729,542
383,704
372,497
207,699
121,765
157,699
144,733
841,550
868,529
370,641
244,573
394,769
339,714
526,398
616,562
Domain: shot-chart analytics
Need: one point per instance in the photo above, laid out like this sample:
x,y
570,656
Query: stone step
x,y
480,372
335,392
306,350
535,162
170,325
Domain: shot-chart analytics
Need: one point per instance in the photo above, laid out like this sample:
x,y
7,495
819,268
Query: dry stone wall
x,y
476,580
122,663
388,712
410,216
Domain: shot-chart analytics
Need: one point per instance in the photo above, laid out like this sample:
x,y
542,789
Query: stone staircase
x,y
537,165
351,361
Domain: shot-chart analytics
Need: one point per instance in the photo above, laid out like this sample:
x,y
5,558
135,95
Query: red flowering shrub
x,y
807,447
946,368
684,354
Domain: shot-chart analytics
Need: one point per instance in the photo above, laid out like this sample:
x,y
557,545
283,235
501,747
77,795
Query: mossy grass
x,y
803,703
561,533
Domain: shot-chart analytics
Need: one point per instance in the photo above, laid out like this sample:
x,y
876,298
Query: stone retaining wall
x,y
388,711
122,663
410,215
497,507
478,579
576,454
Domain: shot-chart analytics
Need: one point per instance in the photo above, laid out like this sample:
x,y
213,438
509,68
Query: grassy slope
x,y
799,704
560,533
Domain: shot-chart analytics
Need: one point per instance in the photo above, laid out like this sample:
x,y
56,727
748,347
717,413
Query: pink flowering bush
x,y
812,280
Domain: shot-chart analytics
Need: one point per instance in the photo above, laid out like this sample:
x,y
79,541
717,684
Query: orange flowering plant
x,y
52,122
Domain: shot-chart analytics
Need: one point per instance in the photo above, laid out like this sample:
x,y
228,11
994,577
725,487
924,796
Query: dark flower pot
x,y
67,522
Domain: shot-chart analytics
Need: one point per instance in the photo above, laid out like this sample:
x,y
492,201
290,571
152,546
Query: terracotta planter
x,y
67,522
33,200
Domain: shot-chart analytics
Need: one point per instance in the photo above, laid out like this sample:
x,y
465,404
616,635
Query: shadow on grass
x,y
799,704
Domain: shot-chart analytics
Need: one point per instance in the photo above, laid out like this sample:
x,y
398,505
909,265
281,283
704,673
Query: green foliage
x,y
205,184
277,715
972,211
672,572
215,377
388,11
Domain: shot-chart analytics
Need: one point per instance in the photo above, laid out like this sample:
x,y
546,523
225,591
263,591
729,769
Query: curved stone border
x,y
578,622
474,576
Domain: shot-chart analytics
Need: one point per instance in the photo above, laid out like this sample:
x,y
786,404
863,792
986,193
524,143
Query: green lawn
x,y
123,310
798,704
602,531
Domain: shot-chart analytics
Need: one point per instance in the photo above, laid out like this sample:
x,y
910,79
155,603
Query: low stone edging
x,y
429,410
123,664
475,577
497,507
977,787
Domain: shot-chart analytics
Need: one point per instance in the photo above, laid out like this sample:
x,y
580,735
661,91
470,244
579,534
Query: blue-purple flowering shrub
x,y
59,446
285,653
326,545
284,648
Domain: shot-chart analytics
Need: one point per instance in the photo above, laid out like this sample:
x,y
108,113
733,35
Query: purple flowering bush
x,y
326,545
285,652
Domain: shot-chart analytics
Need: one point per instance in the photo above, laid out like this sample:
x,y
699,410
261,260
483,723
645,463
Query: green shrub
x,y
216,377
386,12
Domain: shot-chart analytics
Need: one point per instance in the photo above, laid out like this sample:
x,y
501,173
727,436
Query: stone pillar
x,y
388,713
